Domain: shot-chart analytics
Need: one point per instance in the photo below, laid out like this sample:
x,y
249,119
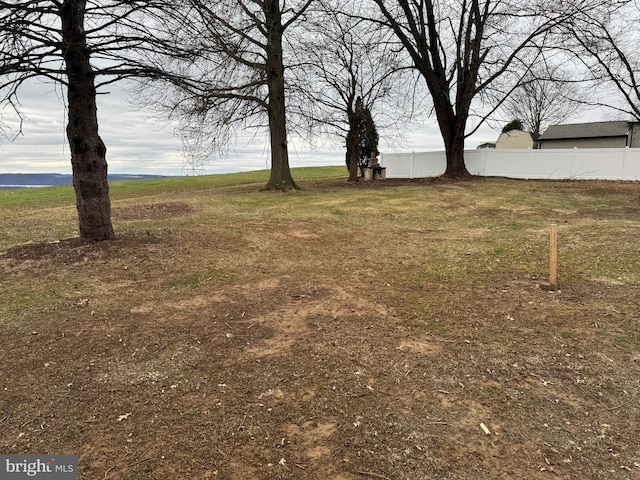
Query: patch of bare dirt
x,y
303,367
152,211
74,250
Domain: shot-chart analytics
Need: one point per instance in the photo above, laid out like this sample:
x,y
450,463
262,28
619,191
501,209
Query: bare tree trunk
x,y
88,152
453,136
455,160
353,148
452,125
280,178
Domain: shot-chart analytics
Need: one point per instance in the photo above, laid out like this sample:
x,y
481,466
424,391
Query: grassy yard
x,y
368,331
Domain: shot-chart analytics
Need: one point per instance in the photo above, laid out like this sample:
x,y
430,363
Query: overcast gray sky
x,y
137,144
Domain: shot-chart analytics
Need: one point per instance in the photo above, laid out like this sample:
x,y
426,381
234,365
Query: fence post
x,y
625,158
552,284
553,255
574,160
485,161
413,164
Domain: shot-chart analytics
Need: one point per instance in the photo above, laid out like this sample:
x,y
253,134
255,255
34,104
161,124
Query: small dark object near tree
x,y
362,140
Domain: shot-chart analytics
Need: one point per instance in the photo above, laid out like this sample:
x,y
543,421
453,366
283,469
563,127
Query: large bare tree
x,y
344,60
235,76
604,46
72,43
547,95
464,48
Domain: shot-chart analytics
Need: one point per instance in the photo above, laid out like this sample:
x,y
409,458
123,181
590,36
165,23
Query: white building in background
x,y
515,140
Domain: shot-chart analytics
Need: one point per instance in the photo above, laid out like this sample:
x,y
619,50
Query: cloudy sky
x,y
137,144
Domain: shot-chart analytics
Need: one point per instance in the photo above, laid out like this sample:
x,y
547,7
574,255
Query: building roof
x,y
586,130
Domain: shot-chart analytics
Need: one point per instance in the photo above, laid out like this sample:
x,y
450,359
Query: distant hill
x,y
18,180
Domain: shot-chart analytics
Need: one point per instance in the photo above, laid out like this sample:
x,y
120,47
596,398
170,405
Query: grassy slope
x,y
353,330
40,204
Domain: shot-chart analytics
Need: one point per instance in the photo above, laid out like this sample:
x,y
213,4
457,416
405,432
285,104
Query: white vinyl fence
x,y
560,164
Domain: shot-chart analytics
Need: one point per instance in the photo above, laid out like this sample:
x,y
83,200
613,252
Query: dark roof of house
x,y
586,130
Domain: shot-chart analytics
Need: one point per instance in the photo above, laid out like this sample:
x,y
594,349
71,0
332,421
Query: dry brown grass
x,y
341,332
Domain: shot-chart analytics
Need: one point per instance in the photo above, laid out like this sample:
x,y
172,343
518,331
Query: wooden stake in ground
x,y
552,284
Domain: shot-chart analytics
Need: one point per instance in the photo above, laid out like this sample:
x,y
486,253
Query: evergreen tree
x,y
512,125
